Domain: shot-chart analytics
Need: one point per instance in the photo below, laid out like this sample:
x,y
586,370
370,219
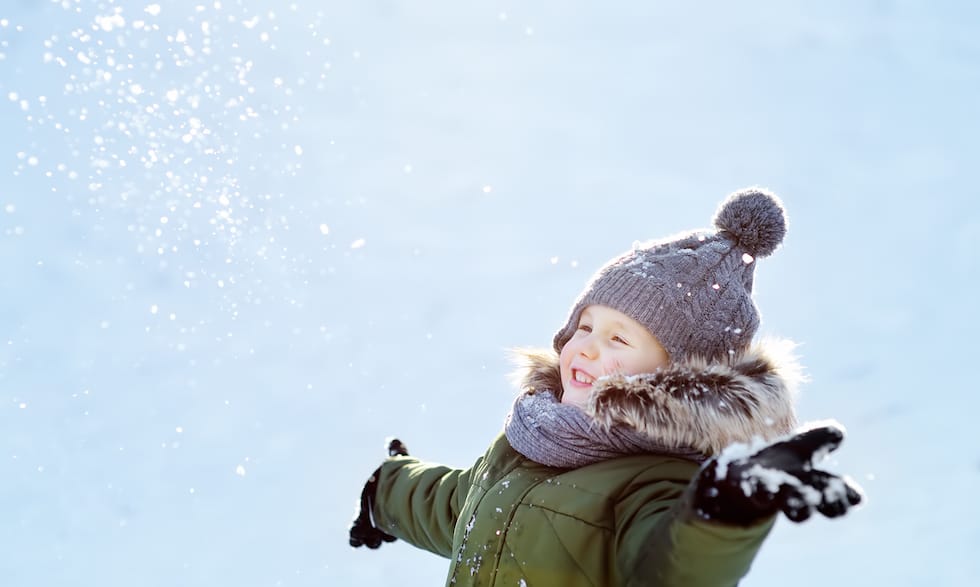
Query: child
x,y
626,459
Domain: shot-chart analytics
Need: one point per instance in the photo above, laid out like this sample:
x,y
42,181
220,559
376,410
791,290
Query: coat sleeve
x,y
420,502
662,541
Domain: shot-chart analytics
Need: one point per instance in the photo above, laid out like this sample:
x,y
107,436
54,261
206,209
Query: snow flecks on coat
x,y
693,403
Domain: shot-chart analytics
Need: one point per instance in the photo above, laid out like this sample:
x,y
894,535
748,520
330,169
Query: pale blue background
x,y
183,404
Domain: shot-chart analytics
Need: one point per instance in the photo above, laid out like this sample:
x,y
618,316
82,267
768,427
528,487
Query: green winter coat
x,y
508,520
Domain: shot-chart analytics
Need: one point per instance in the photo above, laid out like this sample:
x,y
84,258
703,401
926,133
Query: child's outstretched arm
x,y
408,499
713,530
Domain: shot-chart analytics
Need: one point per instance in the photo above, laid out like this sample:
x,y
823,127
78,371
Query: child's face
x,y
607,342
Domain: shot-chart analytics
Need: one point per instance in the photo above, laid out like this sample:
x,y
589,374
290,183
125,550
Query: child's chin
x,y
575,397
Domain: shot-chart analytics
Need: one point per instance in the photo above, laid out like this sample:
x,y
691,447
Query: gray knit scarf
x,y
560,435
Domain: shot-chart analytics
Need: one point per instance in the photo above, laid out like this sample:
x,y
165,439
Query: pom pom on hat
x,y
755,219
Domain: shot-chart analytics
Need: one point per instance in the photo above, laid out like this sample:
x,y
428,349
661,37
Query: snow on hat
x,y
694,291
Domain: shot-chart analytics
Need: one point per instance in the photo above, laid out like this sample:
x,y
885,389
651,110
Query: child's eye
x,y
585,327
620,340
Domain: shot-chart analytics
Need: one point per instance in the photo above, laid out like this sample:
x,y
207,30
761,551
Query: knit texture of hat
x,y
693,292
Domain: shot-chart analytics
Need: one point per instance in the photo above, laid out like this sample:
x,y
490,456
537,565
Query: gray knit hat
x,y
693,292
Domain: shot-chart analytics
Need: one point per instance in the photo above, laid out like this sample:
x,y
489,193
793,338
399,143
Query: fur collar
x,y
697,404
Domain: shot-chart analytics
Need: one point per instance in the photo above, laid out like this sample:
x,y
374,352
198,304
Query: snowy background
x,y
244,240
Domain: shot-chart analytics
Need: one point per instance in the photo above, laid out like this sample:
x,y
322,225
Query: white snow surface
x,y
262,236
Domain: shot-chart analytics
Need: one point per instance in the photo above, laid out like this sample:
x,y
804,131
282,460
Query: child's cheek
x,y
615,367
607,369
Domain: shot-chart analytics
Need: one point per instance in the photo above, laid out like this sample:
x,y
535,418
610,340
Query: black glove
x,y
363,532
745,489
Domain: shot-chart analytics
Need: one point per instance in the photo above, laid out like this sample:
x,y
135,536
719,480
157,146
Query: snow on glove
x,y
742,487
363,532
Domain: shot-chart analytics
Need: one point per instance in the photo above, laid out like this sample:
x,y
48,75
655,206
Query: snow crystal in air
x,y
107,23
152,10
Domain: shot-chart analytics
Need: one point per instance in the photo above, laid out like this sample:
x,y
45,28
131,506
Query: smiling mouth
x,y
582,377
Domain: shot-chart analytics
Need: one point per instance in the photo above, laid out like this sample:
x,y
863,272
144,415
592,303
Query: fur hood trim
x,y
690,404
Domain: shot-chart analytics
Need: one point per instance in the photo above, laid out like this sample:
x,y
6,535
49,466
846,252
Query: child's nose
x,y
589,348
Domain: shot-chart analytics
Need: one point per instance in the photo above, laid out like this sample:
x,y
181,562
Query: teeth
x,y
582,377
